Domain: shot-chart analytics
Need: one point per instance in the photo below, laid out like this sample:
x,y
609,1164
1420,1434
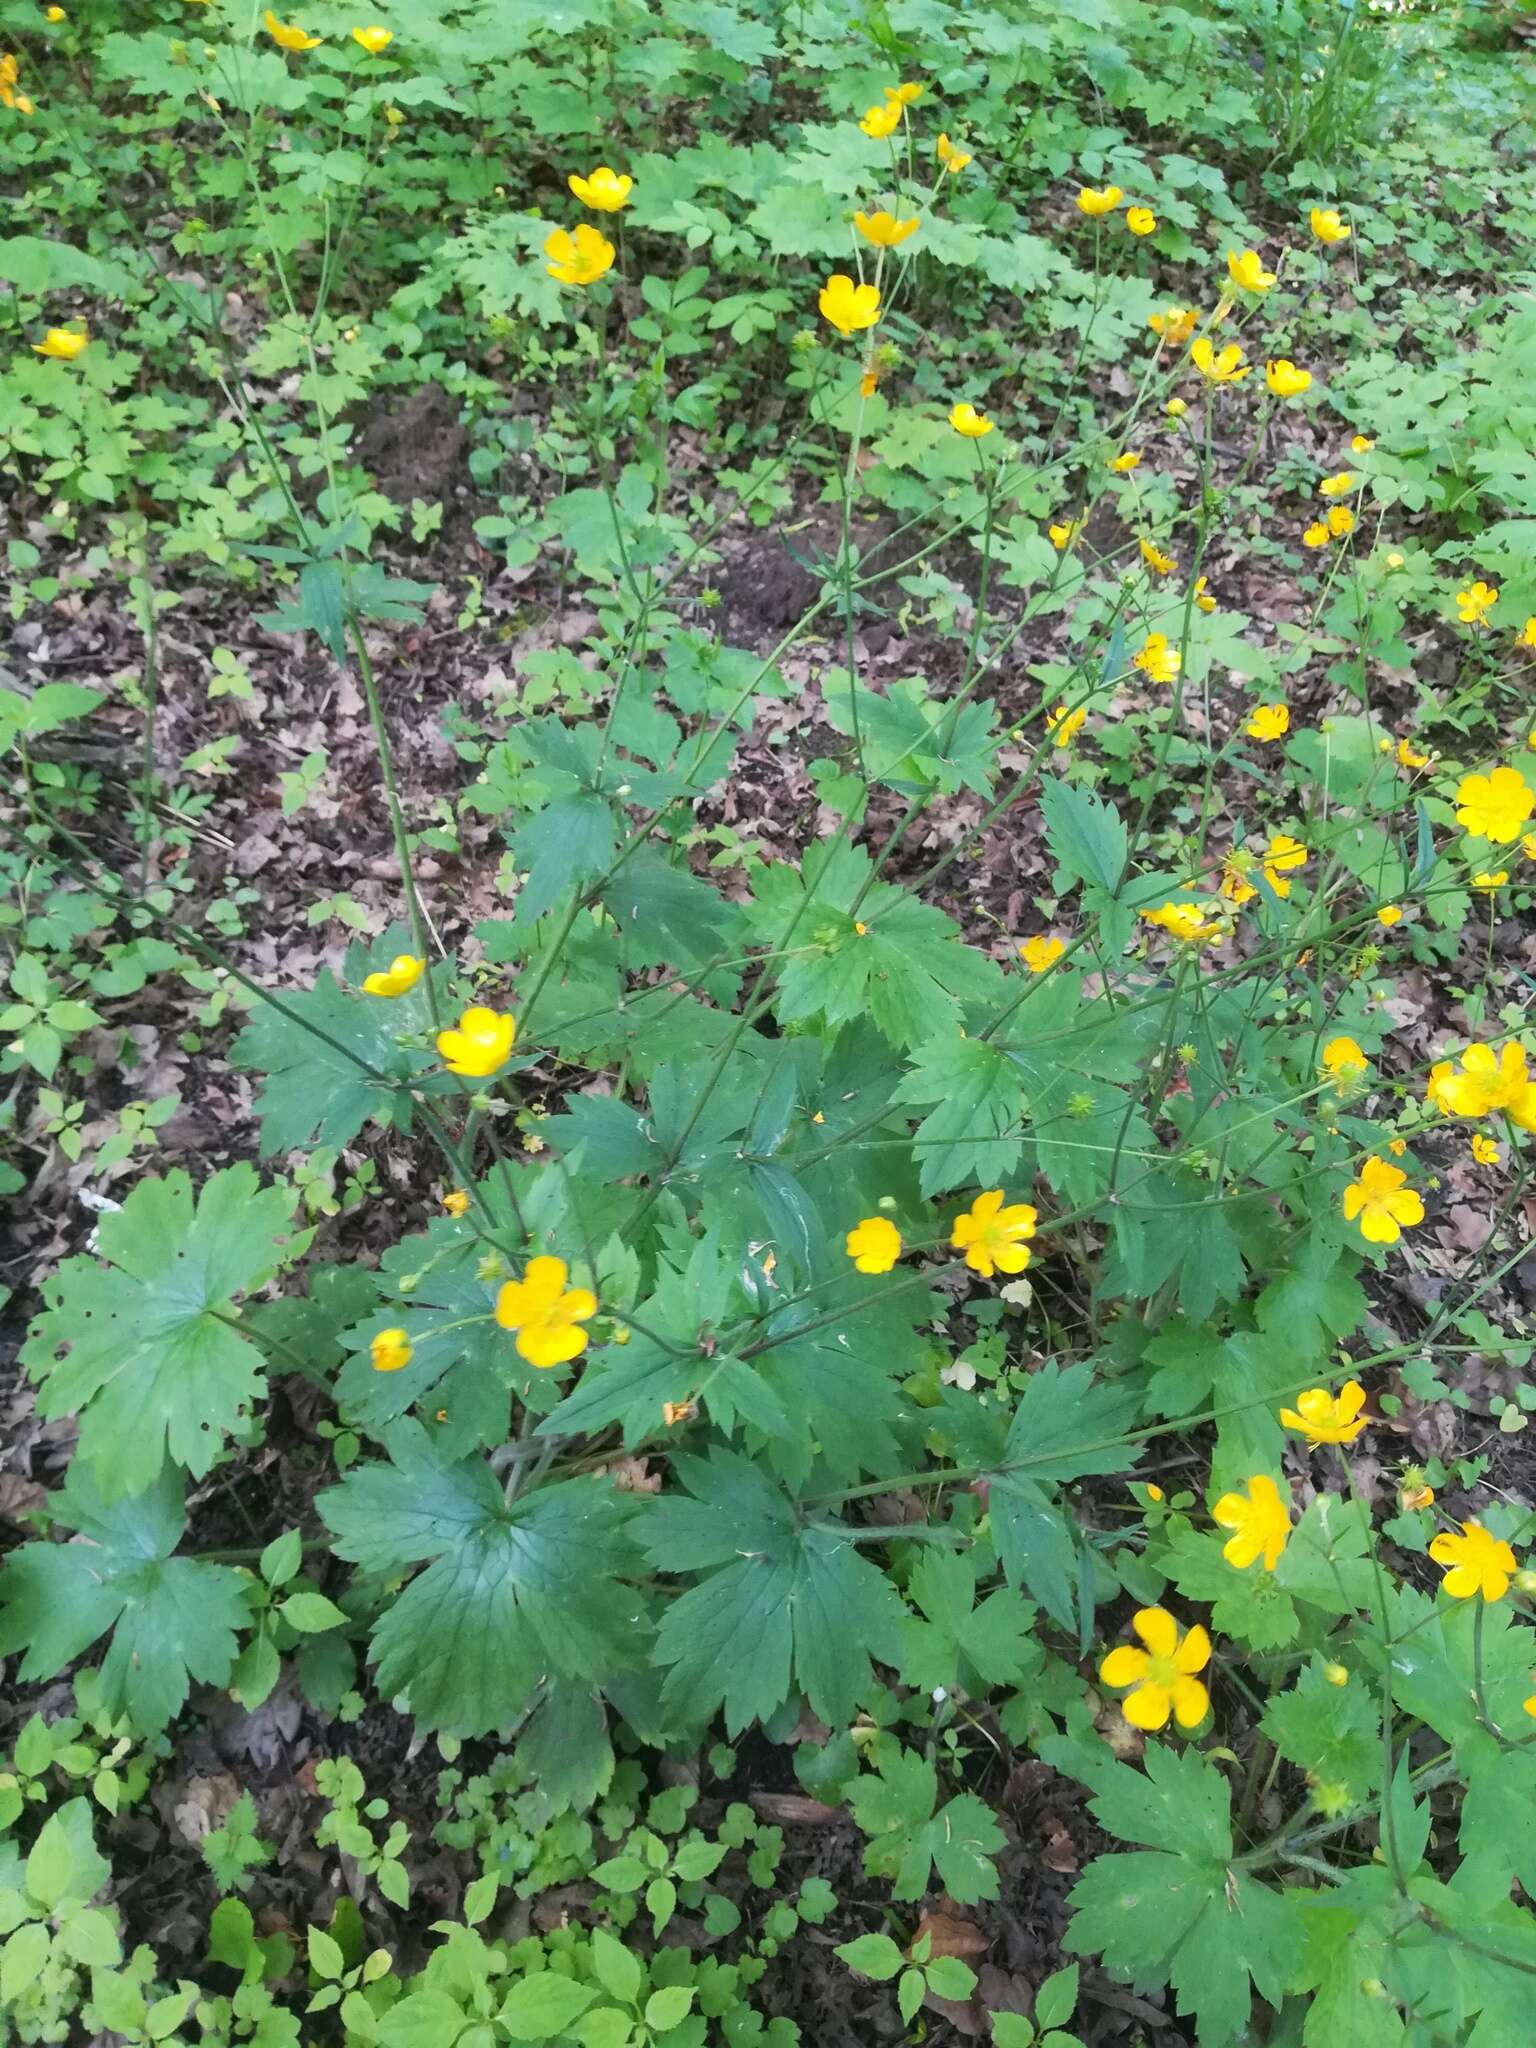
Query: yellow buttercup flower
x,y
390,1351
874,1245
1494,806
1389,915
1064,533
1041,952
904,95
1441,1074
1175,325
1246,270
1269,722
1484,1150
54,14
1489,1081
1141,220
965,419
1361,444
1096,201
992,1236
1064,725
1324,1418
1490,882
884,230
1337,486
1316,535
1340,521
456,1202
882,121
1186,922
1159,563
1219,368
1284,857
374,40
1162,1673
1343,1060
1235,885
849,307
1125,462
546,1314
1285,379
1475,602
287,35
1381,1203
398,979
1158,662
1261,1519
63,344
953,160
481,1042
1203,597
1408,755
1475,1562
1176,408
1327,226
579,256
605,190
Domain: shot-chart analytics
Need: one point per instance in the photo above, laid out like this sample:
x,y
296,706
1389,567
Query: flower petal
x,y
1125,1665
1194,1653
1147,1707
1157,1629
1190,1701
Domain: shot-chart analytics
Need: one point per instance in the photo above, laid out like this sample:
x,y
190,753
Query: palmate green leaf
x,y
908,1840
320,1086
960,1642
1178,1910
1331,1732
139,1342
1248,1606
782,1597
172,1619
973,1135
563,847
1086,835
509,1593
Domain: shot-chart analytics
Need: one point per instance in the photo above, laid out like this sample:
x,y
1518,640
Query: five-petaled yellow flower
x,y
953,160
456,1202
1475,601
1126,461
10,71
481,1042
1526,637
1063,533
1141,220
1494,806
1389,915
54,14
1484,1150
1283,858
1361,444
1324,1418
1176,408
1246,269
1096,200
397,979
1041,952
1316,535
1269,722
1343,1060
904,94
1177,324
546,1314
884,229
1159,563
881,121
374,40
1261,1519
1340,521
1339,485
849,307
1285,379
1158,662
1489,1081
1187,922
1064,725
579,256
287,35
1327,226
1163,1674
1475,1561
874,1245
1219,367
965,419
1381,1202
1490,882
390,1350
63,344
992,1236
1203,597
605,190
